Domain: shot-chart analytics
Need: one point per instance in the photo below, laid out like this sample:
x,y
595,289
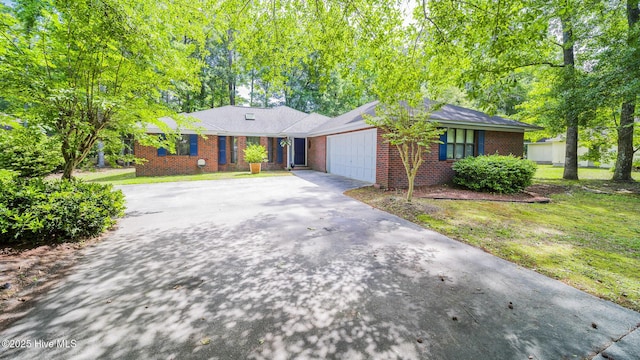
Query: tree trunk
x,y
412,179
253,79
68,169
624,161
232,77
571,117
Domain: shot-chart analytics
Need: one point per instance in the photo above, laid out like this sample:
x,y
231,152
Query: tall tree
x,y
80,67
485,44
624,161
568,83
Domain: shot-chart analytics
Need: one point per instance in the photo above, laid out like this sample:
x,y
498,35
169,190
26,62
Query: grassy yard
x,y
549,172
588,236
128,176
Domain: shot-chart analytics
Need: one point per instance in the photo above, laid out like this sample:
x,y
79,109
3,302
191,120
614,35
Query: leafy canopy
x,y
81,67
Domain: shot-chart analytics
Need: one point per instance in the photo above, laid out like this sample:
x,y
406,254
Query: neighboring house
x,y
344,145
553,151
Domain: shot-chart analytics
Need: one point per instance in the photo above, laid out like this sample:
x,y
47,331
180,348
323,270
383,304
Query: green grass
x,y
588,239
128,176
550,172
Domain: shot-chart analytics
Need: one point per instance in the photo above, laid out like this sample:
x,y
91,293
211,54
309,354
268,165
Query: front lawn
x,y
128,176
588,236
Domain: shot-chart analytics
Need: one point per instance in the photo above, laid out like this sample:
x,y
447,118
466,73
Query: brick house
x,y
344,145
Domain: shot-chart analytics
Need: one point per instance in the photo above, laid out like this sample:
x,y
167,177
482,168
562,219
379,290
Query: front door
x,y
299,151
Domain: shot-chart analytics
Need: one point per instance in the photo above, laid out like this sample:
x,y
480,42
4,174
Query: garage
x,y
353,155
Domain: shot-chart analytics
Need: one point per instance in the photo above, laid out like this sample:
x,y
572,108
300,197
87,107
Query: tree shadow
x,y
313,275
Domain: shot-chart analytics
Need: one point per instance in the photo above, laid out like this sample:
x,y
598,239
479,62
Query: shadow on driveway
x,y
279,268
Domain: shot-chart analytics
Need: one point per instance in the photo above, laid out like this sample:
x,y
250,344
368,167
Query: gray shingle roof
x,y
306,124
458,114
447,115
344,122
232,119
283,120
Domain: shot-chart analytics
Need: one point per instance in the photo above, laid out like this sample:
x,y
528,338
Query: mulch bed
x,y
534,194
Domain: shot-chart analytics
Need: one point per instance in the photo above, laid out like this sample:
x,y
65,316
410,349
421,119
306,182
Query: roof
x,y
446,115
241,120
285,121
352,120
306,124
457,114
233,120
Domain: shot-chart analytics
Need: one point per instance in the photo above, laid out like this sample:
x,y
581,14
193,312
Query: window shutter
x,y
279,152
193,145
222,150
480,142
162,151
442,149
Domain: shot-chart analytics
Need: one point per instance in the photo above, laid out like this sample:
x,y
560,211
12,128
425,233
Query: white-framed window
x,y
460,143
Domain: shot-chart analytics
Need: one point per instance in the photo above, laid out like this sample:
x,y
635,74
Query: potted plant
x,y
255,155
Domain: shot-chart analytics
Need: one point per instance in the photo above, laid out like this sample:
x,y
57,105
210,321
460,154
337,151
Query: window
x,y
182,145
233,149
253,140
185,145
460,143
270,148
222,150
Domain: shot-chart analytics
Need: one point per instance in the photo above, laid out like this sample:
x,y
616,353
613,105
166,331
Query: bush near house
x,y
36,211
494,173
29,152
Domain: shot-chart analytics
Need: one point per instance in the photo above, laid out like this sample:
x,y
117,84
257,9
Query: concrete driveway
x,y
288,267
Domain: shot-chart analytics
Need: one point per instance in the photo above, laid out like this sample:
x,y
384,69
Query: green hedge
x,y
35,211
494,173
29,152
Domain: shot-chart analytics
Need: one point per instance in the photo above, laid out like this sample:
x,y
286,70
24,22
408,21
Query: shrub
x,y
36,211
494,173
255,154
29,152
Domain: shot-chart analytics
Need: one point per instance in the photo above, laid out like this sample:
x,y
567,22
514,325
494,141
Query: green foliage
x,y
410,130
37,211
494,173
7,177
255,153
29,152
79,68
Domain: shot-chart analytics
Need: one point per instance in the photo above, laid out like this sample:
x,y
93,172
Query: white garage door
x,y
353,155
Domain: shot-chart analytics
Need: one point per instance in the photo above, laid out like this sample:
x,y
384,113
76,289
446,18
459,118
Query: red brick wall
x,y
178,164
383,152
433,171
503,143
317,153
207,150
239,165
274,165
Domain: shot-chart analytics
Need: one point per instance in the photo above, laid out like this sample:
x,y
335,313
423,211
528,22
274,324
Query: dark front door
x,y
299,151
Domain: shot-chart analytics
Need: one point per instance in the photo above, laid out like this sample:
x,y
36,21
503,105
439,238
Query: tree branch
x,y
426,17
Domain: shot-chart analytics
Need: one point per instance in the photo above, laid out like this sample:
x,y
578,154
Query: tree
x,y
486,45
624,161
81,67
410,131
28,151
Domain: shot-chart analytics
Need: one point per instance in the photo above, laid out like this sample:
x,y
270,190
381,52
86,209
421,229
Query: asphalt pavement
x,y
289,267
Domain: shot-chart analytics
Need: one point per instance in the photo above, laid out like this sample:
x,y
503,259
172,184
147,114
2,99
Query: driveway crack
x,y
607,346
